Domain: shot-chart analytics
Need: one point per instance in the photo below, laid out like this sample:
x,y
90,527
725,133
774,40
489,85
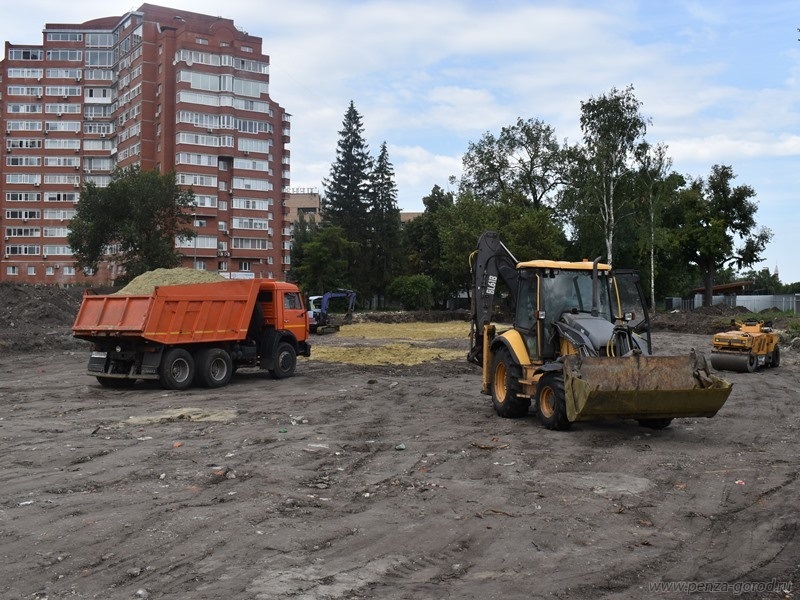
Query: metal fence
x,y
783,302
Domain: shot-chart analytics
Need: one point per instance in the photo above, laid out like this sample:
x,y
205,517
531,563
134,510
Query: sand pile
x,y
147,282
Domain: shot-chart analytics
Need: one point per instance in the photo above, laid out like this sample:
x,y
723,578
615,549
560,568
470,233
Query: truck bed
x,y
173,314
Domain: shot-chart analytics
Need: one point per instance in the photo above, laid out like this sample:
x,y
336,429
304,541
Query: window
x,y
26,54
244,265
291,301
12,270
73,55
31,270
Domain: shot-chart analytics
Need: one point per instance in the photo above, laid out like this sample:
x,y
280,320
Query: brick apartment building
x,y
162,88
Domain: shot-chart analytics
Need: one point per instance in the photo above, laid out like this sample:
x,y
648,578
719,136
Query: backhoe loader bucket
x,y
641,387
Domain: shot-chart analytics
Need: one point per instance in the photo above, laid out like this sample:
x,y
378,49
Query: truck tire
x,y
551,404
505,386
115,382
285,361
214,367
176,371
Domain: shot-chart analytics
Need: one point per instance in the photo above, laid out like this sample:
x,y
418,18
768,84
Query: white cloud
x,y
719,79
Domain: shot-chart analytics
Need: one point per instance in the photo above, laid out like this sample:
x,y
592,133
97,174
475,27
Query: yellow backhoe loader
x,y
579,346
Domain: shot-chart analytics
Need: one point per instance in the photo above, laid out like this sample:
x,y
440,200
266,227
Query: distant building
x,y
305,201
160,88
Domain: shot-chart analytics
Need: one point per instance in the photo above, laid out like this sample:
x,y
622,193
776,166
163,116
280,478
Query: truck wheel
x,y
551,405
176,371
214,367
776,357
655,423
285,361
115,382
505,387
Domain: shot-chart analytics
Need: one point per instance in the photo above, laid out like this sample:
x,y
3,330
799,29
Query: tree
x,y
347,190
523,164
612,126
422,245
714,216
326,254
415,292
383,234
654,165
139,215
303,231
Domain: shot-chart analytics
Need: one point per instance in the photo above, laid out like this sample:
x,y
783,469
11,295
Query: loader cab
x,y
547,290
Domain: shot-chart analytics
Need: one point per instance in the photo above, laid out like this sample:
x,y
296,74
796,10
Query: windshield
x,y
572,290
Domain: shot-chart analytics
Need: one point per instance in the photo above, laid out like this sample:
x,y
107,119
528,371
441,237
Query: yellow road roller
x,y
750,345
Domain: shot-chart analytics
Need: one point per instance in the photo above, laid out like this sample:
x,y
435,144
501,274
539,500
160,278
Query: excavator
x,y
318,315
579,346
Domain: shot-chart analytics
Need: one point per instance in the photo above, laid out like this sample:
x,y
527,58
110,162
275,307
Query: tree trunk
x,y
708,283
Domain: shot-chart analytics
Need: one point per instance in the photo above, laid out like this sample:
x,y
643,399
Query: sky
x,y
719,80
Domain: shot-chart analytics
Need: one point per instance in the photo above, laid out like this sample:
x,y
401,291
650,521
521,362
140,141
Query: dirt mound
x,y
38,317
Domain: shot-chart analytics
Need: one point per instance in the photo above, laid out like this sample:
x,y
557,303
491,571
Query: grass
x,y
398,343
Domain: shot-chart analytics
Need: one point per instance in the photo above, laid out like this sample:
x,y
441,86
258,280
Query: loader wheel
x,y
505,387
214,367
655,423
176,371
285,361
551,405
776,357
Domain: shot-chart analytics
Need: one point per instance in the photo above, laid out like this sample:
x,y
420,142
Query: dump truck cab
x,y
579,345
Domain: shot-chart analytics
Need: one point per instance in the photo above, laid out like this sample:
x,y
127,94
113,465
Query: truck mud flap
x,y
641,387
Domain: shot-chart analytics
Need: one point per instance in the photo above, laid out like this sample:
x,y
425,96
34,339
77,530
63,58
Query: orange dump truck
x,y
199,332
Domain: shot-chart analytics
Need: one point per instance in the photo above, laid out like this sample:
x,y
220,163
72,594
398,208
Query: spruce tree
x,y
347,189
384,224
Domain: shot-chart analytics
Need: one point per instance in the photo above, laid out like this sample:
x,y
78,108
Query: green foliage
x,y
713,216
524,164
603,194
361,200
764,282
613,195
415,292
326,252
139,215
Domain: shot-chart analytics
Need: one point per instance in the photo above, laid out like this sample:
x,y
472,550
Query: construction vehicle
x,y
579,346
200,332
749,345
319,315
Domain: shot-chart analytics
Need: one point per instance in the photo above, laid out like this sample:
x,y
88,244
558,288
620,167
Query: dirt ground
x,y
351,481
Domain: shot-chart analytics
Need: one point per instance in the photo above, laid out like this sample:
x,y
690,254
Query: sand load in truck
x,y
578,346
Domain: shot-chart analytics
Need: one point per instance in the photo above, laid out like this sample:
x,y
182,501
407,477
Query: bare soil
x,y
393,482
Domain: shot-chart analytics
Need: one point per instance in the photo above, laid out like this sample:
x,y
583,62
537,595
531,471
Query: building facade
x,y
160,88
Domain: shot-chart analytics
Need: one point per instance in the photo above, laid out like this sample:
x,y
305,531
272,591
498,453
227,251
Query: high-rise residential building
x,y
160,88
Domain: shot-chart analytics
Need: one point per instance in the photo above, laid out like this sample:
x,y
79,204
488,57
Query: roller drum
x,y
741,363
